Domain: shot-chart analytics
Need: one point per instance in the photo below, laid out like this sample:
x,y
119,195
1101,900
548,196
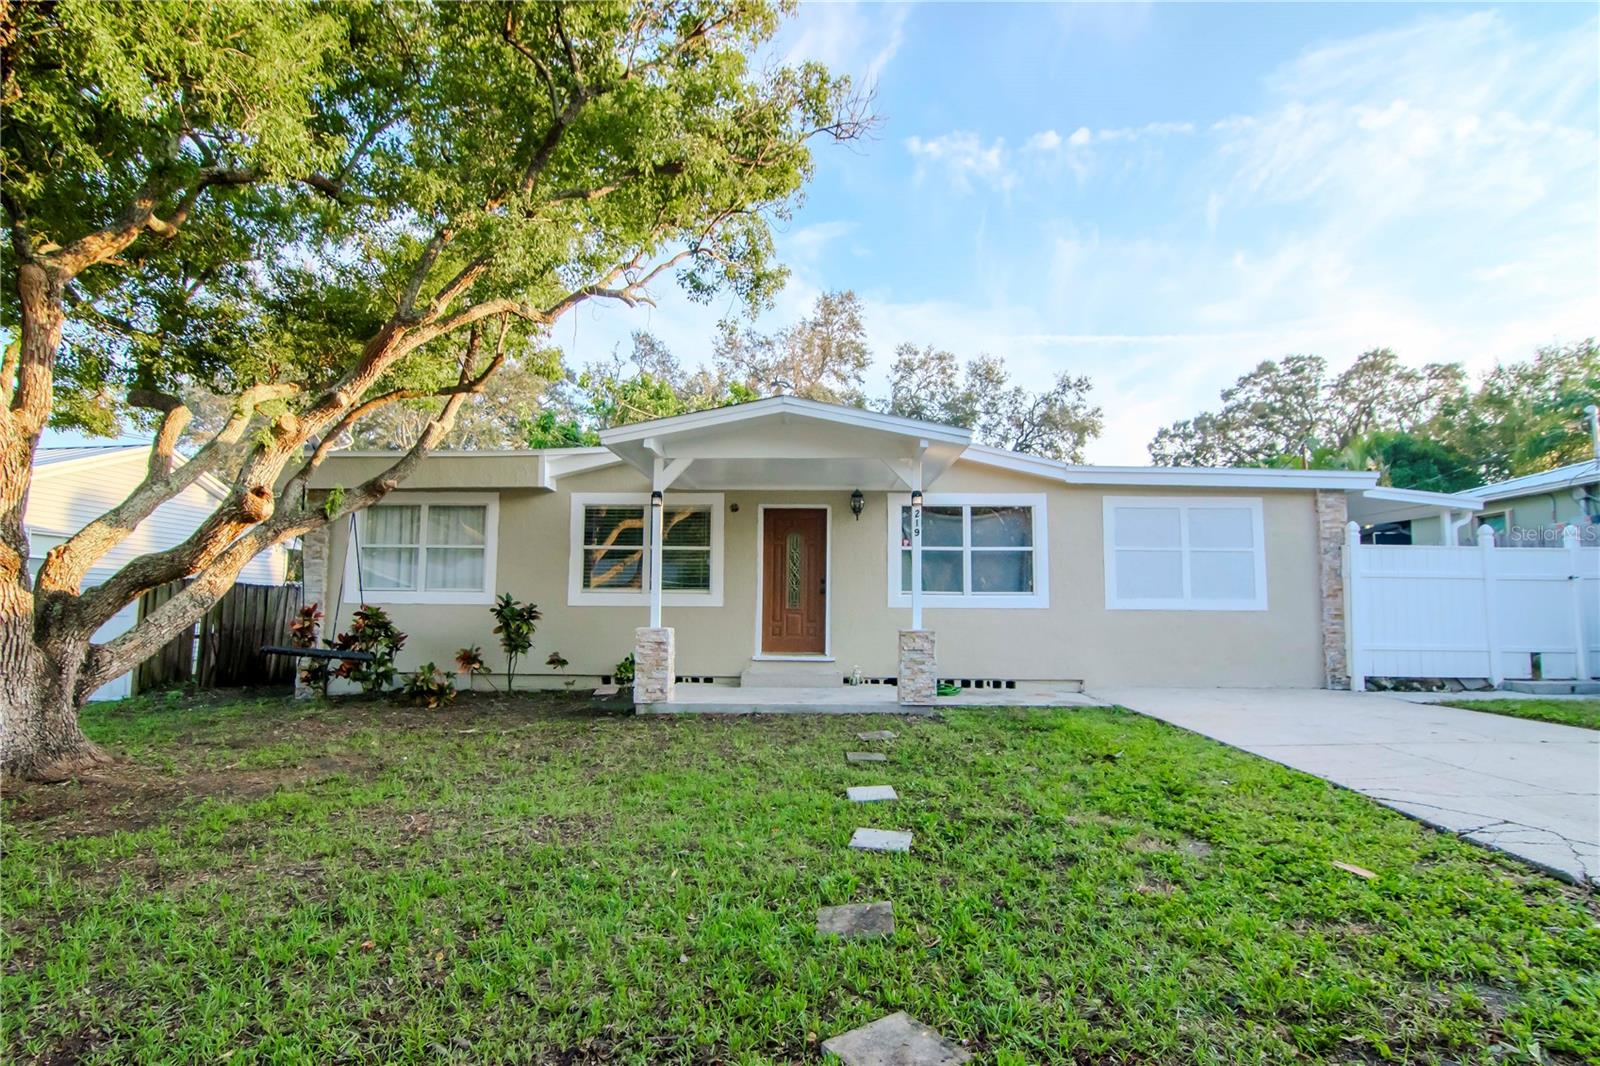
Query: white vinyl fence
x,y
1483,611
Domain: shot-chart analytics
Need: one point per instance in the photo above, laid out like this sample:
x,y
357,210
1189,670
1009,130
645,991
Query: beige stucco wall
x,y
1075,638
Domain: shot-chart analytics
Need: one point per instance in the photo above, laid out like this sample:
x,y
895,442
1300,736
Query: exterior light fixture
x,y
857,502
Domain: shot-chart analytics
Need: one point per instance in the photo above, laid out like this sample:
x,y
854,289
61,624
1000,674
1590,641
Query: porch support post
x,y
656,509
916,545
1332,516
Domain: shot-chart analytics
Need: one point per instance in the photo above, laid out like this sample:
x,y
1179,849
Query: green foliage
x,y
334,502
622,673
515,624
303,632
556,661
549,431
429,686
308,151
1176,905
371,630
1424,427
928,383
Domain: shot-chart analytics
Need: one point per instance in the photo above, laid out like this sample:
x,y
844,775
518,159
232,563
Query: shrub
x,y
622,673
514,625
370,631
429,685
303,634
469,661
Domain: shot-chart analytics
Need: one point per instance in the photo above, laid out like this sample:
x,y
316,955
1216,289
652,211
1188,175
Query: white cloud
x,y
964,159
1044,141
1080,137
855,39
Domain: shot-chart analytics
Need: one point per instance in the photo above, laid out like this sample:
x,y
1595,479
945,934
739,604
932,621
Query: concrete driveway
x,y
1528,788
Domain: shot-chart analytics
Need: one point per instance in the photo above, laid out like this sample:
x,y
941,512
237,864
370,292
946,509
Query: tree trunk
x,y
39,733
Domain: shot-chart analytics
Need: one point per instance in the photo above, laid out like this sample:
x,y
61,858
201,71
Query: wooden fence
x,y
223,650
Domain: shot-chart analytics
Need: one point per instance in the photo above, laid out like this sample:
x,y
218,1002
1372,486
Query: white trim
x,y
828,412
1039,598
1173,476
1184,504
578,596
827,577
490,501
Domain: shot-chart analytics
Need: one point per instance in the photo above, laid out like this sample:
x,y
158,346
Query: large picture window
x,y
611,540
416,550
980,550
1184,554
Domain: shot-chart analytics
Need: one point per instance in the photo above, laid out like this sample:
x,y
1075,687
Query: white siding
x,y
67,496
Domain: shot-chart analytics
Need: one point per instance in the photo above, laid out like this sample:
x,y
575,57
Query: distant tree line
x,y
1425,427
535,402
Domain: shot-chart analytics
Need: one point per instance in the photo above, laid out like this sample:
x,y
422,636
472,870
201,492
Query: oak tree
x,y
320,210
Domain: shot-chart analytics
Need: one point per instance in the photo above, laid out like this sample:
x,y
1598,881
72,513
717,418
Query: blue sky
x,y
1160,196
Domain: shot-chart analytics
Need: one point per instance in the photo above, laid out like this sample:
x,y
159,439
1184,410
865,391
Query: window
x,y
1184,554
978,550
438,549
611,558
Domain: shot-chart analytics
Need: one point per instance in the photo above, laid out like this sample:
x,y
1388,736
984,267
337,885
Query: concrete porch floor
x,y
855,699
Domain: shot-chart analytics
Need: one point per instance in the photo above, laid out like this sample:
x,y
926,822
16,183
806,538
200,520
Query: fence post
x,y
1573,544
1352,634
1491,624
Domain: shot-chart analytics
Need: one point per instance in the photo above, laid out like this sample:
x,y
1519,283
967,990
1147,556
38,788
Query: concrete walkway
x,y
1528,788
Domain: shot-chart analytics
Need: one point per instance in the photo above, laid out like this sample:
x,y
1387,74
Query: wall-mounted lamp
x,y
857,502
916,498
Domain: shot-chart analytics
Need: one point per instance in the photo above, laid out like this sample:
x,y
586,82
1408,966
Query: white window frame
x,y
1038,599
578,596
491,527
1184,505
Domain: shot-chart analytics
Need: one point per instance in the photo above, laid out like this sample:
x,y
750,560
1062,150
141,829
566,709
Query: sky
x,y
1161,196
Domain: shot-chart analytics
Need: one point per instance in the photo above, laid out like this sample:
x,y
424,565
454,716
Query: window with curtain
x,y
424,548
615,548
977,551
1196,554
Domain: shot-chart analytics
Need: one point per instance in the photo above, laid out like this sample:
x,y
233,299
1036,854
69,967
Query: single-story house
x,y
1527,511
74,486
778,542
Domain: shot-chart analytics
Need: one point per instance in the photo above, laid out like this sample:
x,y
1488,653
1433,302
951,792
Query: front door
x,y
794,569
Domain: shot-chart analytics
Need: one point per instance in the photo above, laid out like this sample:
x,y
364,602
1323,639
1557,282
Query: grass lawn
x,y
1585,713
519,880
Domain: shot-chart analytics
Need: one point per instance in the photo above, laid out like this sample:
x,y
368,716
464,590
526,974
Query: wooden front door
x,y
794,575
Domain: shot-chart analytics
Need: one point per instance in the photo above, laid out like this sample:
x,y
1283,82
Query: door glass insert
x,y
794,548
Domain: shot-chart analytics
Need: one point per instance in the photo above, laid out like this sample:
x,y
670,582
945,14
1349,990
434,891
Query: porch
x,y
818,461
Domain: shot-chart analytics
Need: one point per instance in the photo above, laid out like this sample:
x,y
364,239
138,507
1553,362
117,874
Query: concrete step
x,y
797,673
1553,688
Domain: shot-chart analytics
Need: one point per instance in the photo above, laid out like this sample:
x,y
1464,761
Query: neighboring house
x,y
1527,511
787,546
74,486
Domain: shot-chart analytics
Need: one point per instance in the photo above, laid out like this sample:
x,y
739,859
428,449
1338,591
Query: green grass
x,y
518,881
1585,713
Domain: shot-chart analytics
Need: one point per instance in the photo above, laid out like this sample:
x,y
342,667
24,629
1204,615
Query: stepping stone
x,y
865,756
857,919
880,840
876,734
898,1040
870,793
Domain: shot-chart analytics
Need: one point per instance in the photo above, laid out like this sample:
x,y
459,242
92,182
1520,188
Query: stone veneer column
x,y
313,589
1332,515
655,662
919,668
